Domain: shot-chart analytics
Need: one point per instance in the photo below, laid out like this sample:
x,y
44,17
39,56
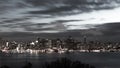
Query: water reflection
x,y
99,60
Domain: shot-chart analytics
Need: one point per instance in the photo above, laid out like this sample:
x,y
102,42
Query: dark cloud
x,y
67,7
105,32
53,10
110,29
45,27
64,21
14,20
23,18
57,25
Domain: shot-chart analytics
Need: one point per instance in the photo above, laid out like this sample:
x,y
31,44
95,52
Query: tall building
x,y
85,39
7,44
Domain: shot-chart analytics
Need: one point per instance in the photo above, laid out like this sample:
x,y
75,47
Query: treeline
x,y
59,63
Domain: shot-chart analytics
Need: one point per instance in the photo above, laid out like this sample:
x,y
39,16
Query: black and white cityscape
x,y
59,33
58,46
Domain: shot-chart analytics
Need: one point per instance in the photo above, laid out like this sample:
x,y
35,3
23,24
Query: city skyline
x,y
59,33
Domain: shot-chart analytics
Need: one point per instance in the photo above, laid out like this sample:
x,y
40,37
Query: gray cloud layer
x,y
29,17
105,32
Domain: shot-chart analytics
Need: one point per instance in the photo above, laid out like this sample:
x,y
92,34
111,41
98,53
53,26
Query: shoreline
x,y
50,51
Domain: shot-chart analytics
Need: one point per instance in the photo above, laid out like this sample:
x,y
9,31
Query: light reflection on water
x,y
99,60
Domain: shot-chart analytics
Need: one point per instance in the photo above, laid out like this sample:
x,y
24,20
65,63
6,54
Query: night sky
x,y
25,19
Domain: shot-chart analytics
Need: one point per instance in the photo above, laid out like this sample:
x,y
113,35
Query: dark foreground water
x,y
99,60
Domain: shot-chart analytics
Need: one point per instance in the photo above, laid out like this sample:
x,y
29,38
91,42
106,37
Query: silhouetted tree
x,y
4,66
28,65
66,63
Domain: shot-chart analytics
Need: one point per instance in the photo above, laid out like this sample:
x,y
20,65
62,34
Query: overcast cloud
x,y
69,17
